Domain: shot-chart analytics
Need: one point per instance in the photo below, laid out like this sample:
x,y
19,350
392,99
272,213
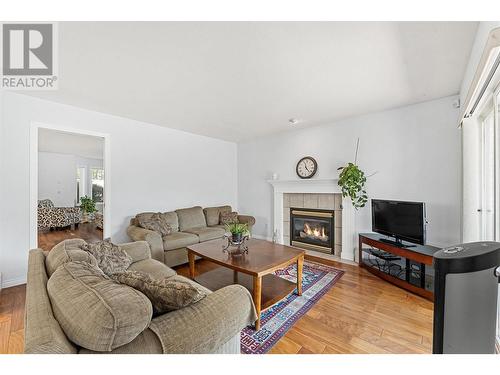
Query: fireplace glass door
x,y
312,229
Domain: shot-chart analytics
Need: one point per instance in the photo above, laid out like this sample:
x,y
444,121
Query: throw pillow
x,y
155,222
67,251
228,218
94,311
166,294
110,258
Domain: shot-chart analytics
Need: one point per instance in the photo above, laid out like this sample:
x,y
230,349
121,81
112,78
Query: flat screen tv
x,y
398,219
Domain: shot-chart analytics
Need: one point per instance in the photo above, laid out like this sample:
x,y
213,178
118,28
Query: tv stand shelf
x,y
397,263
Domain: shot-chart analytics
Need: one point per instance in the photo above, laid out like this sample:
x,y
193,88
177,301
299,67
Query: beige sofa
x,y
211,325
189,225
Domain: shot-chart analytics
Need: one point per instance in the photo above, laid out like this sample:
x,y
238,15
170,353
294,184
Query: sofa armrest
x,y
42,332
138,250
246,219
208,324
152,238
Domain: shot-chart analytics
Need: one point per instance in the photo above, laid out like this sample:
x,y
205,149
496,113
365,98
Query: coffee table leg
x,y
191,264
300,264
257,294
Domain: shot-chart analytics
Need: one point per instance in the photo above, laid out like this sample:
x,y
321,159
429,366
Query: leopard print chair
x,y
98,217
56,217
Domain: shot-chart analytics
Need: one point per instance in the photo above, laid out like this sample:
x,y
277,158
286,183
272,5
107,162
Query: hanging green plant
x,y
352,182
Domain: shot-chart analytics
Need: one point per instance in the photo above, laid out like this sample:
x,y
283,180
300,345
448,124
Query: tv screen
x,y
402,220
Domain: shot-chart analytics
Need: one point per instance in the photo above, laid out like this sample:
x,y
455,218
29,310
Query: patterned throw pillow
x,y
155,222
228,218
110,258
167,294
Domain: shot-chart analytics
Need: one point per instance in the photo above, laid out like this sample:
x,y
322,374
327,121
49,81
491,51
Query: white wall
x,y
483,30
152,168
415,152
57,178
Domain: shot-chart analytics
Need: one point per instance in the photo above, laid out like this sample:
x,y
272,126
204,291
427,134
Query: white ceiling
x,y
240,80
60,142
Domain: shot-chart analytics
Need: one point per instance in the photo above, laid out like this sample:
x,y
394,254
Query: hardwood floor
x,y
360,314
86,231
12,319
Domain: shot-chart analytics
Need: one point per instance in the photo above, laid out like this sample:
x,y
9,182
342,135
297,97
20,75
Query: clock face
x,y
307,167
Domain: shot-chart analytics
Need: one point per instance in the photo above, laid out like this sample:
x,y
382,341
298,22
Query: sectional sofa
x,y
71,311
189,226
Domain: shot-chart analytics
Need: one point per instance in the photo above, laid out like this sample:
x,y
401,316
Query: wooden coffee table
x,y
253,270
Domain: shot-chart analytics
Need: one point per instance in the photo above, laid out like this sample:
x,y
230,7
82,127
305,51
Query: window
x,y
97,180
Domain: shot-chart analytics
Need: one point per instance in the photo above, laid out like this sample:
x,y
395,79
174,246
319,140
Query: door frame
x,y
496,120
33,157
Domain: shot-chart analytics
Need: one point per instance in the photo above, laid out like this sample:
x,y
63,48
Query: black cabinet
x,y
408,266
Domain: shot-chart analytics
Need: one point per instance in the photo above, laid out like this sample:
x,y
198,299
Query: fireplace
x,y
312,229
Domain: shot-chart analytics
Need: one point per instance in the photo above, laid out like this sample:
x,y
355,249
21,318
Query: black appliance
x,y
399,219
415,273
465,298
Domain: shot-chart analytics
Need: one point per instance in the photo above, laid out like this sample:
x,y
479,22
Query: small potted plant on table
x,y
238,231
235,239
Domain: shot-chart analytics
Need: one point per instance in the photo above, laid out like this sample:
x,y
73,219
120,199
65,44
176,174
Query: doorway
x,y
69,185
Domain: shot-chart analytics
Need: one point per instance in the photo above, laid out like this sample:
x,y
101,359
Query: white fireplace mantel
x,y
315,186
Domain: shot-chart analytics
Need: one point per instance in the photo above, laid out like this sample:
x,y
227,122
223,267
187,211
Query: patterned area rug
x,y
317,279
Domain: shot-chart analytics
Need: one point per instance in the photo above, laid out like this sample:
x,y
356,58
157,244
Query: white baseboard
x,y
13,282
259,237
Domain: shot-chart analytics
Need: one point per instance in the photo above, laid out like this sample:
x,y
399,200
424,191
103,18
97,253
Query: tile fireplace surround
x,y
315,193
315,201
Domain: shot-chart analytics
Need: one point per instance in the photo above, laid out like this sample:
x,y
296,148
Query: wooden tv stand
x,y
423,255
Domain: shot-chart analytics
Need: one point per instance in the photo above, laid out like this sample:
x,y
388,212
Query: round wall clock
x,y
306,167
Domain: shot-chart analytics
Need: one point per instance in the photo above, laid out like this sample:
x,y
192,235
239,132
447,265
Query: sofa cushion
x,y
152,267
138,250
110,257
207,233
221,226
205,326
228,218
67,251
172,219
94,311
191,218
178,240
212,214
199,286
146,343
155,222
165,294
